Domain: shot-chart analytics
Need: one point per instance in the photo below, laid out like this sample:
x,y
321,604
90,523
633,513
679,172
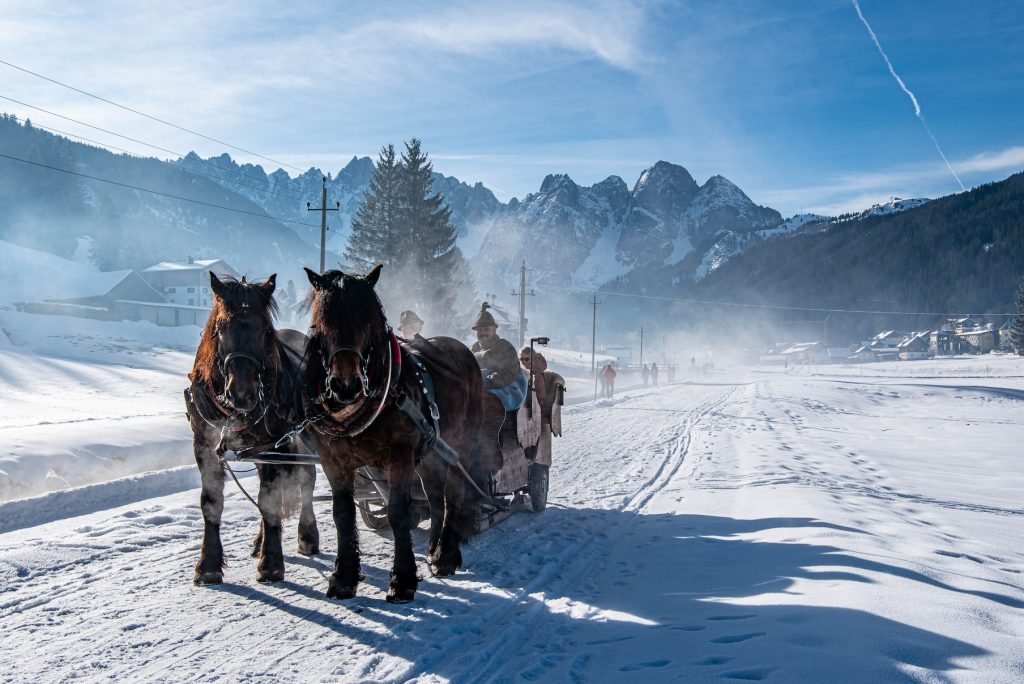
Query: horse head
x,y
239,341
347,326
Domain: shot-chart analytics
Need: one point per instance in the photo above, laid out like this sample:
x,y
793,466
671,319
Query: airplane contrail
x,y
913,99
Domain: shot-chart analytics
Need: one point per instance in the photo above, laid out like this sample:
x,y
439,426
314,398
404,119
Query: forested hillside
x,y
122,226
961,253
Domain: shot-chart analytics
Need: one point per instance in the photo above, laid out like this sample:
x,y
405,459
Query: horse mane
x,y
241,293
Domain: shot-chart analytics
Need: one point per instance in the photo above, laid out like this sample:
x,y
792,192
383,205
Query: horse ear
x,y
267,287
314,279
216,285
374,275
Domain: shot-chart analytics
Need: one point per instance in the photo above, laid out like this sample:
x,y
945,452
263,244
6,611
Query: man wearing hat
x,y
409,325
497,357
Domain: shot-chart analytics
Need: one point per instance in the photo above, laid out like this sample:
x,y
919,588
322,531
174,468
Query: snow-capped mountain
x,y
586,236
893,206
285,197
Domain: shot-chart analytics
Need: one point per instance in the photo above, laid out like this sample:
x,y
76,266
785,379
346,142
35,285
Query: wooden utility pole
x,y
593,343
323,209
522,303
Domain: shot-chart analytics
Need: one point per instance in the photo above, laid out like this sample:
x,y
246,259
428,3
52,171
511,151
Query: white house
x,y
187,283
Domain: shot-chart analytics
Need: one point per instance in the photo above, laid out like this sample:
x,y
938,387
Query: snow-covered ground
x,y
821,524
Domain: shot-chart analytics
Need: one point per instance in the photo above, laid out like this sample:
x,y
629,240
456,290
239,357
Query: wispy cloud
x,y
856,191
602,30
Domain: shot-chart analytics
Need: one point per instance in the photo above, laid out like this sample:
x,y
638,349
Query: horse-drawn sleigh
x,y
403,431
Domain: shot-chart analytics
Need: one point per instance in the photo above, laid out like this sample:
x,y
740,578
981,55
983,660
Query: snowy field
x,y
853,524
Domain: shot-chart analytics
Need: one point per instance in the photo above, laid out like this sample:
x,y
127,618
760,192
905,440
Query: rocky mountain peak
x,y
553,181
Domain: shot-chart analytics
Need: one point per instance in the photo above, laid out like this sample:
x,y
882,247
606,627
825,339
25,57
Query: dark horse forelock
x,y
239,298
350,300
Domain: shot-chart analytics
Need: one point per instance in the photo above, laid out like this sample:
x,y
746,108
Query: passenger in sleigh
x,y
504,379
549,390
498,361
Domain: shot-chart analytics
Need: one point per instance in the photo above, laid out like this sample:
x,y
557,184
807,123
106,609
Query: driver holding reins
x,y
498,360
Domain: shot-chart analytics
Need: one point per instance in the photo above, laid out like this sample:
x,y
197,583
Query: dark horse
x,y
245,394
357,379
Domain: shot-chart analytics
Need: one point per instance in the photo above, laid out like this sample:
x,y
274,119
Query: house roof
x,y
94,284
197,265
801,347
914,337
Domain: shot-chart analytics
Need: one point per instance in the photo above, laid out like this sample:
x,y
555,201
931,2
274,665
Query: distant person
x,y
604,382
671,374
654,374
409,324
693,363
609,380
645,375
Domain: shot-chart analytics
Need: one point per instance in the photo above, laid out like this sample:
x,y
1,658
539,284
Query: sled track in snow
x,y
501,632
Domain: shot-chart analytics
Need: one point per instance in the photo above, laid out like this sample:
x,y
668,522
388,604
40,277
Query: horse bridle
x,y
261,367
363,374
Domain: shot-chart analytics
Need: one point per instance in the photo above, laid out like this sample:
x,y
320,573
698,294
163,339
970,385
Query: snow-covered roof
x,y
801,347
32,275
913,337
197,265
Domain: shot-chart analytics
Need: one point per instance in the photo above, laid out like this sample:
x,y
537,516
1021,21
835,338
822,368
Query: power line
x,y
770,306
162,161
148,116
157,192
140,142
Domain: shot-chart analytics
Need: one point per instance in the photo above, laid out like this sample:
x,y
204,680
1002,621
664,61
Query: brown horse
x,y
245,394
357,380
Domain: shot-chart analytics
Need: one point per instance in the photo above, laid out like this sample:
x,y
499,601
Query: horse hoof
x,y
209,578
338,592
308,548
400,596
270,576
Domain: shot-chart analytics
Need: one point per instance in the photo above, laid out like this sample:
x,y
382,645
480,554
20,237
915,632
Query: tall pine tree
x,y
375,225
1017,331
403,224
436,275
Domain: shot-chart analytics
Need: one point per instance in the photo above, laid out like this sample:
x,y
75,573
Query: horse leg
x,y
271,563
404,581
309,535
459,520
345,577
210,568
432,472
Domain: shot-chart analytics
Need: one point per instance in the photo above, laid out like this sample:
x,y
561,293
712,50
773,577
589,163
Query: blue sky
x,y
790,100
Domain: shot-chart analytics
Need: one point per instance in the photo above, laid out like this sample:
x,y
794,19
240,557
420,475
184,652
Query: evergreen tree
x,y
432,269
375,225
1017,331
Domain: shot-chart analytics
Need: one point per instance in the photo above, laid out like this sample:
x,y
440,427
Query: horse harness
x,y
386,395
379,398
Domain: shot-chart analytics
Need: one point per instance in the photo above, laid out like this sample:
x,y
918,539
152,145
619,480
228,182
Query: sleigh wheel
x,y
538,487
374,515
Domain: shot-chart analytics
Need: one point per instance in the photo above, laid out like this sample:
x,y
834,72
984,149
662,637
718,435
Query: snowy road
x,y
755,526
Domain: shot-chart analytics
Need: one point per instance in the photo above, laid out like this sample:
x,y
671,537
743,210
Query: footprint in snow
x,y
736,638
754,674
634,667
